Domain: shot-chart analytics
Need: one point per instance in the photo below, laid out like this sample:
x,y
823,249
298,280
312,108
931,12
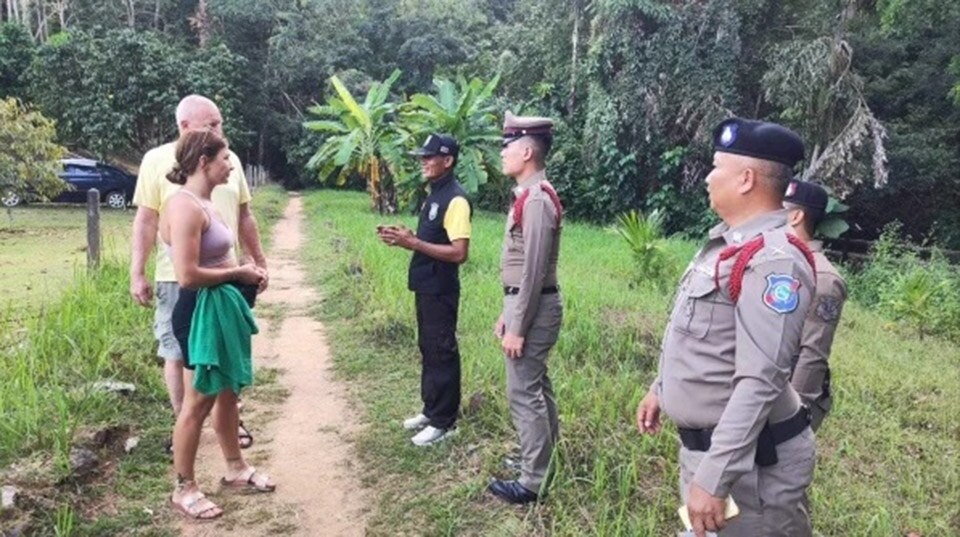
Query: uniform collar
x,y
751,228
815,246
529,182
441,182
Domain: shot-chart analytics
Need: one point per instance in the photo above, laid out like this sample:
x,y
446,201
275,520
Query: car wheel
x,y
116,200
11,199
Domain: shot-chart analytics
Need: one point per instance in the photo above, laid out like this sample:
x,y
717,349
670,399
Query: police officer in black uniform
x,y
440,246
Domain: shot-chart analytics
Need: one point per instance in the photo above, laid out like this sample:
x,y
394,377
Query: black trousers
x,y
440,375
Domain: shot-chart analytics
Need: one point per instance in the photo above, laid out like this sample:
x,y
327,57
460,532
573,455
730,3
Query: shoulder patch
x,y
782,293
828,308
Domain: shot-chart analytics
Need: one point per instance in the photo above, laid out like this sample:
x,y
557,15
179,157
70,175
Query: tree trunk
x,y
373,183
575,50
200,22
156,15
131,14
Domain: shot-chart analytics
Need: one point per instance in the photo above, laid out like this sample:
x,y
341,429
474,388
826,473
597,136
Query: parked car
x,y
115,185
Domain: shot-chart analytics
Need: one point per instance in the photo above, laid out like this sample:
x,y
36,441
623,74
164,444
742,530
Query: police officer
x,y
439,247
807,203
532,307
730,344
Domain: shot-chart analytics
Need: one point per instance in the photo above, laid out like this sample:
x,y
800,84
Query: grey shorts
x,y
167,346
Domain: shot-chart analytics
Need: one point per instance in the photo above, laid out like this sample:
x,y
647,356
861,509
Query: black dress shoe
x,y
511,492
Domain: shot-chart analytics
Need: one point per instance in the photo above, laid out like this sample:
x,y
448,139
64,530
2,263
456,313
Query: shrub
x,y
920,293
644,236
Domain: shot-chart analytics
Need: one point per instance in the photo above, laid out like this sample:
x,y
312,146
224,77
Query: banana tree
x,y
361,139
466,111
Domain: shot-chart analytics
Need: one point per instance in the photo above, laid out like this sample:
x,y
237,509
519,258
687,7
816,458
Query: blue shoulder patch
x,y
782,294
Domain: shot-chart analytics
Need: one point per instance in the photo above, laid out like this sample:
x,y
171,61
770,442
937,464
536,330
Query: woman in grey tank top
x,y
200,246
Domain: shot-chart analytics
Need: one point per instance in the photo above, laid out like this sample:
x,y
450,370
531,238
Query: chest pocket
x,y
697,307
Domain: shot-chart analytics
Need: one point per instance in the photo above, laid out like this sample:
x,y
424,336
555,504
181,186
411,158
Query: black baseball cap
x,y
805,194
758,139
438,144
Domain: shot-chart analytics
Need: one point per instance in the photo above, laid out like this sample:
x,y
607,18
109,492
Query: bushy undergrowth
x,y
644,236
921,294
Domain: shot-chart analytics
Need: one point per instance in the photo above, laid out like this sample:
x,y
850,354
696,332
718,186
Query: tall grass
x,y
888,455
48,366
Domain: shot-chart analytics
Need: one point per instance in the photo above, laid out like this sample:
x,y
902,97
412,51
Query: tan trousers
x,y
771,498
530,393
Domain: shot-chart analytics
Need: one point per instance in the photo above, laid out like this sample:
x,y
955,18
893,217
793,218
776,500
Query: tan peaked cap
x,y
517,126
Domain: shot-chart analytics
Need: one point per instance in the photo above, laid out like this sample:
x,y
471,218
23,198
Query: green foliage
x,y
116,92
644,236
361,139
635,86
833,225
914,297
656,84
29,155
955,71
16,53
923,294
465,110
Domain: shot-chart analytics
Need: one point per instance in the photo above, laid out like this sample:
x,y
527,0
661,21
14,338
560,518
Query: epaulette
x,y
522,198
744,253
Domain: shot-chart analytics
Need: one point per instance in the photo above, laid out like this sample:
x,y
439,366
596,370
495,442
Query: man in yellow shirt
x,y
231,200
439,247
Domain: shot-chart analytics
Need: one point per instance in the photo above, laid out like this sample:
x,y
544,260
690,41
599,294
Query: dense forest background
x,y
636,85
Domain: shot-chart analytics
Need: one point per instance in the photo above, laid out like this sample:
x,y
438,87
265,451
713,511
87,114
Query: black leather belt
x,y
770,437
551,290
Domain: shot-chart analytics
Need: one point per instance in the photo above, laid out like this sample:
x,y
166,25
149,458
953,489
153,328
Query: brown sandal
x,y
196,506
244,436
250,480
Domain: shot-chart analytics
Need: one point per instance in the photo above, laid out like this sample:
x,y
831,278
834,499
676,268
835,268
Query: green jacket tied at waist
x,y
219,344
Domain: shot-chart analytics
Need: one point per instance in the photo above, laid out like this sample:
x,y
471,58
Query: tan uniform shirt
x,y
818,331
726,365
529,256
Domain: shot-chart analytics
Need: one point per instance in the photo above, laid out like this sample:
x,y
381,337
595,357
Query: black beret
x,y
809,195
758,139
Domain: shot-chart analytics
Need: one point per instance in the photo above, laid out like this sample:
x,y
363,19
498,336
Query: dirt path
x,y
302,421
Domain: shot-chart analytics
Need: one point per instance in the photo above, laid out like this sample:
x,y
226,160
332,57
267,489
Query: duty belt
x,y
770,437
551,290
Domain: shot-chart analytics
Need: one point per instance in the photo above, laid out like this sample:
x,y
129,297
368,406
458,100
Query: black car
x,y
115,185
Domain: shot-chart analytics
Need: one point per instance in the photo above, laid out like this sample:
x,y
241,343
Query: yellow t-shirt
x,y
456,221
153,189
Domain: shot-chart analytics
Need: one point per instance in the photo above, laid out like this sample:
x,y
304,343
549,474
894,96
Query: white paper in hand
x,y
730,510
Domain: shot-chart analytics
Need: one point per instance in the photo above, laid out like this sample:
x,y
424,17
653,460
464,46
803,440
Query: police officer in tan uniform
x,y
807,203
730,346
532,306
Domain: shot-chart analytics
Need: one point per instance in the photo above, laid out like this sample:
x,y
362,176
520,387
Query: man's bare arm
x,y
144,239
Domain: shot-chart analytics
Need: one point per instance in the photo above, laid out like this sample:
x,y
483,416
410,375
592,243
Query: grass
x,y
41,246
888,455
83,332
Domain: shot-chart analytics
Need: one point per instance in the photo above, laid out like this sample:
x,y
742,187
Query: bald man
x,y
730,345
231,200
